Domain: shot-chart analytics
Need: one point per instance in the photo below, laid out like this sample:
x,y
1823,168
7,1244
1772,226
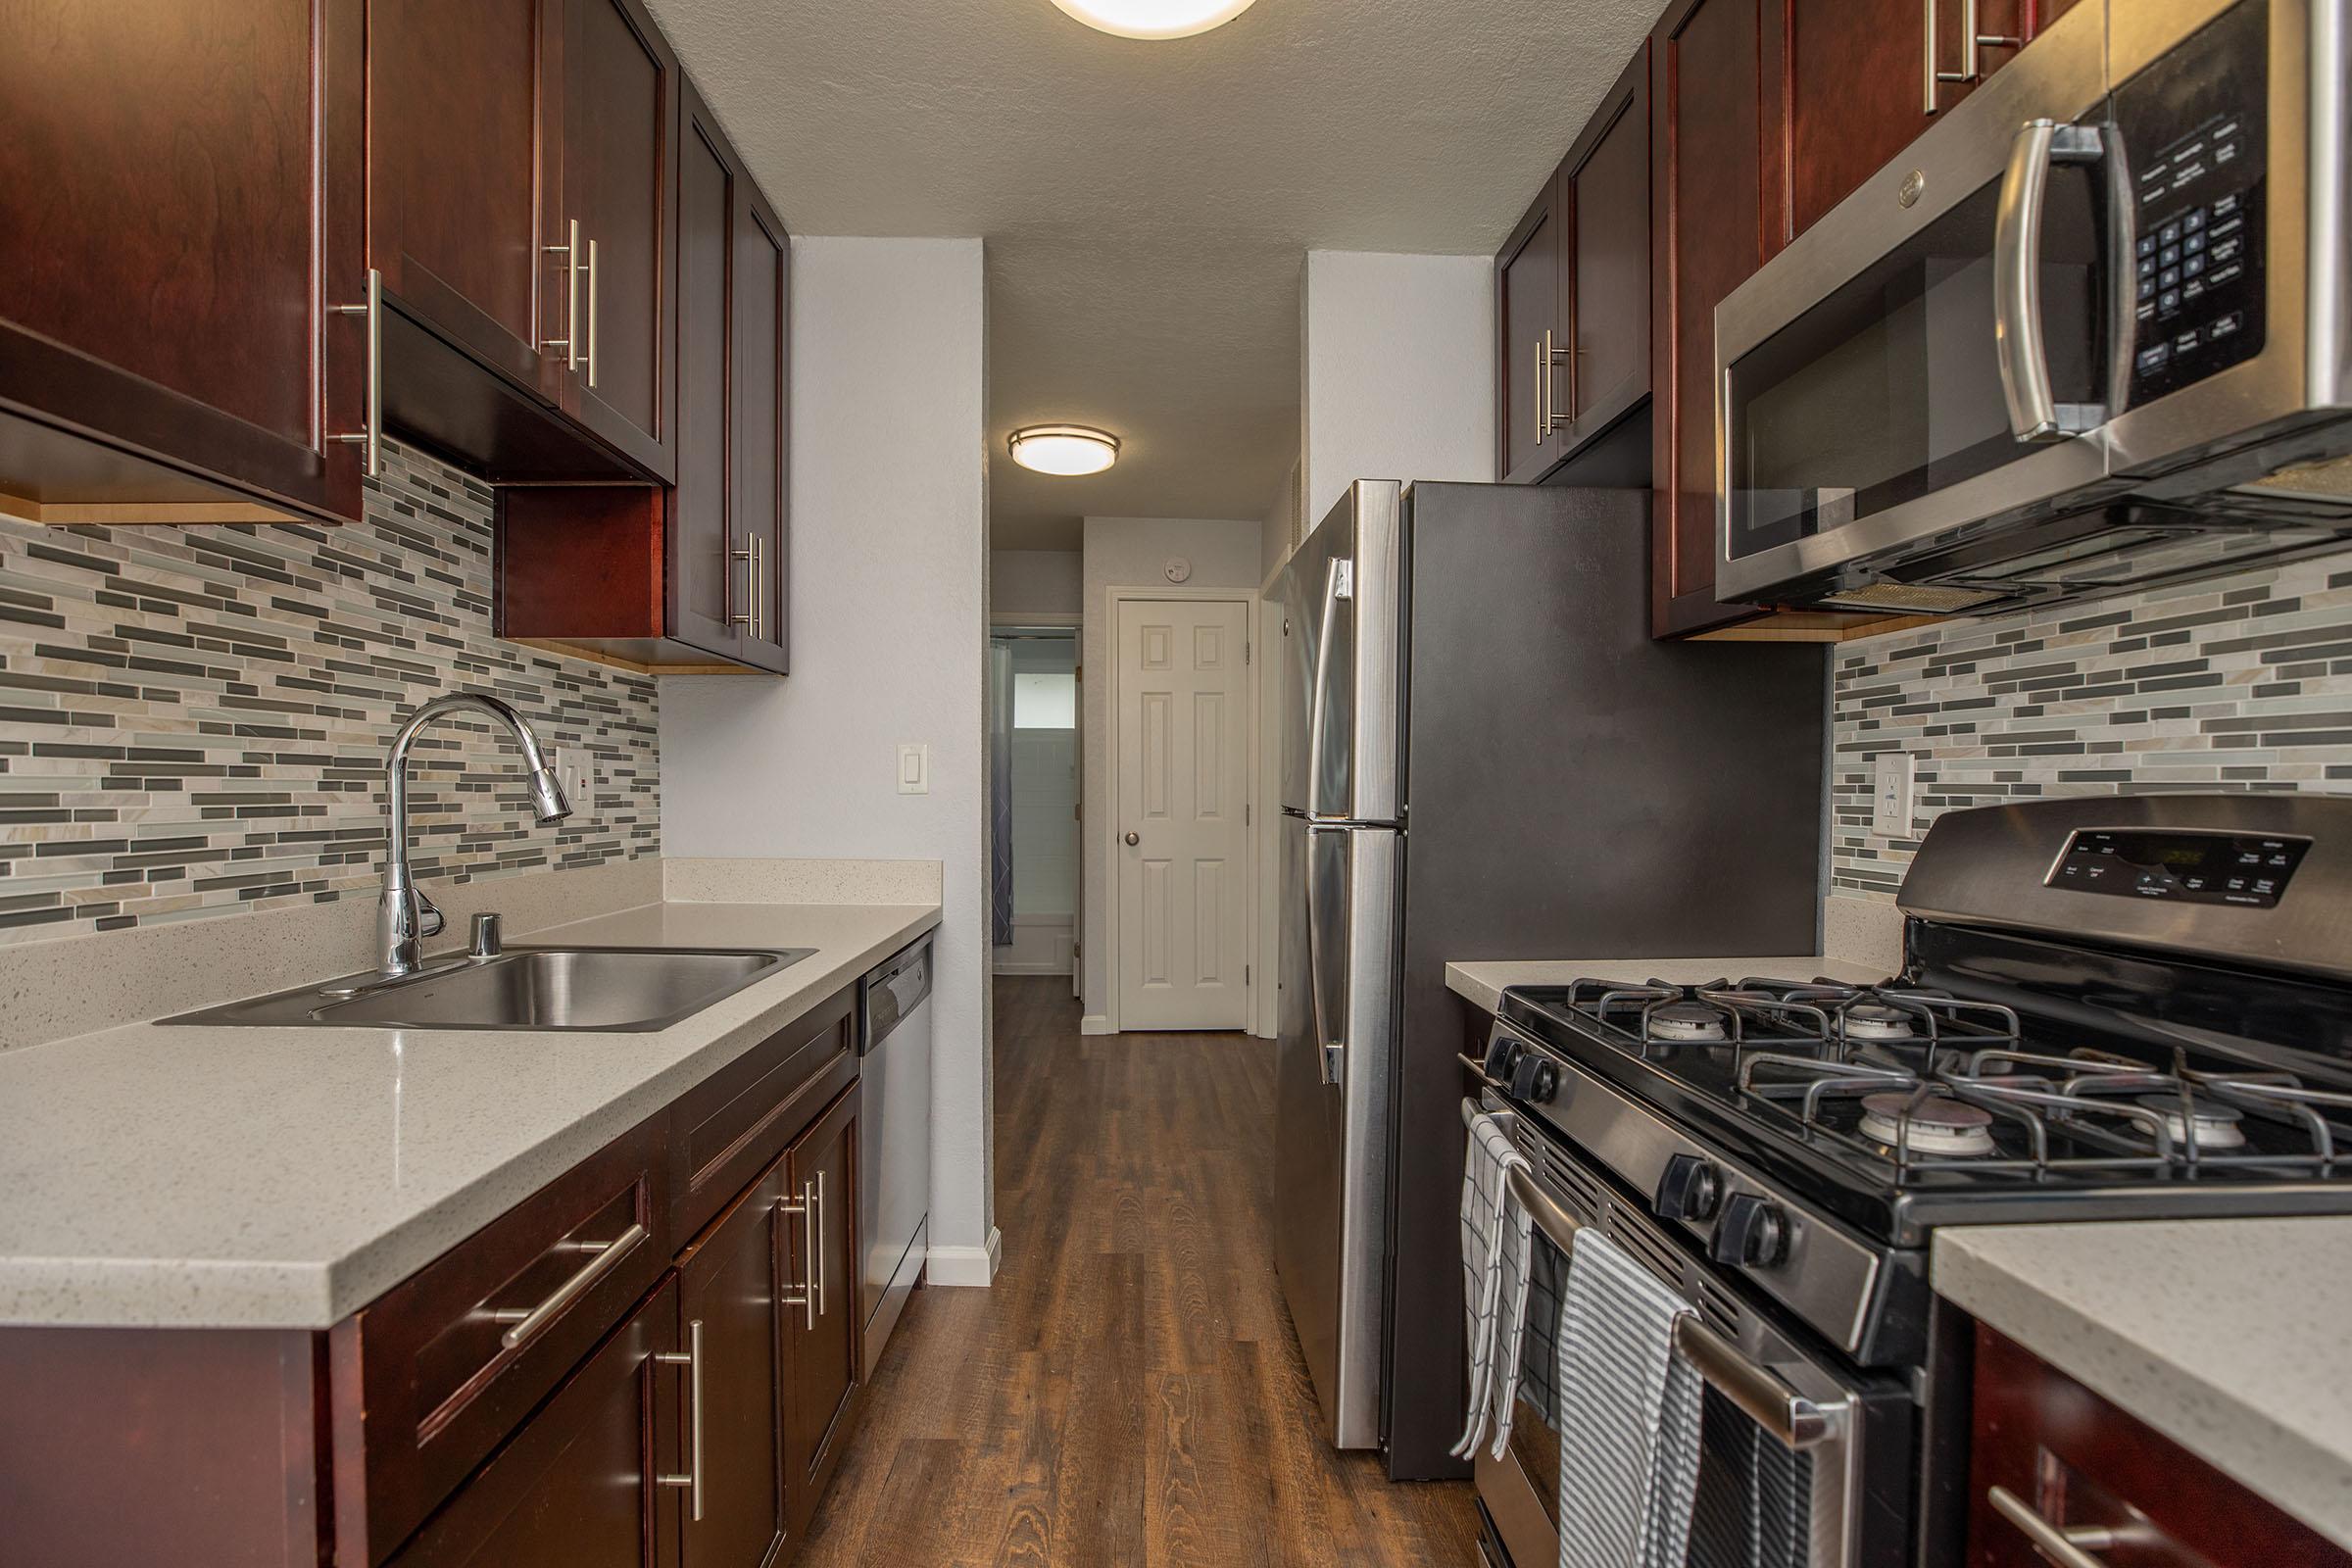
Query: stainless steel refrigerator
x,y
1485,757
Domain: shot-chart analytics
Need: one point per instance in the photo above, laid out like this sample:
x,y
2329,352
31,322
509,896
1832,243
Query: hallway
x,y
1129,1391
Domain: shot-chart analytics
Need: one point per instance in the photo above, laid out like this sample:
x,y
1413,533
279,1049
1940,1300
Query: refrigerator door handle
x,y
1337,583
1331,1054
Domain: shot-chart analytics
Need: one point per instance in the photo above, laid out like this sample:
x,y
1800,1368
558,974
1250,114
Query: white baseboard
x,y
966,1266
1095,1023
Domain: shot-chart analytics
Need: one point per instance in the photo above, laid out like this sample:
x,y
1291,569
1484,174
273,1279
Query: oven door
x,y
1874,378
1837,1497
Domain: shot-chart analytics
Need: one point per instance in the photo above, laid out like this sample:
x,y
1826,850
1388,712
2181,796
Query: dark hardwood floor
x,y
1129,1391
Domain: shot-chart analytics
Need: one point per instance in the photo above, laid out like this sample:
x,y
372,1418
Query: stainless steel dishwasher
x,y
894,1151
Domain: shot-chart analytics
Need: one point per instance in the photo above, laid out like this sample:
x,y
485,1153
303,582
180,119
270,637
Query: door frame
x,y
1074,622
1107,832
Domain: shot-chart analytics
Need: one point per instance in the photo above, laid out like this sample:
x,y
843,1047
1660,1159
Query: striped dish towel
x,y
1628,1416
1494,1238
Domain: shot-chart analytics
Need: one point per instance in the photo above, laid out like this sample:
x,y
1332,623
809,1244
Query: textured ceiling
x,y
1146,206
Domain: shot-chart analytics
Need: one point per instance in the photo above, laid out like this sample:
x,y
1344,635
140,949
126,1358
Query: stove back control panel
x,y
2192,868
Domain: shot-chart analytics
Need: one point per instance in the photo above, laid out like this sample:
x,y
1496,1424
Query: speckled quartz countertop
x,y
283,1177
1483,982
2227,1336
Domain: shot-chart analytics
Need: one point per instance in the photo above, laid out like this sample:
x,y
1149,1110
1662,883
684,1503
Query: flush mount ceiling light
x,y
1065,449
1154,19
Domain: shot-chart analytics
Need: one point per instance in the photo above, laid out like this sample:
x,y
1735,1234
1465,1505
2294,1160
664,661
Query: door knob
x,y
1132,839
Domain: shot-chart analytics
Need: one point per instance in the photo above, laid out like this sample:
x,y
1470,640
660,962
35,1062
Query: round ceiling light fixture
x,y
1064,448
1154,19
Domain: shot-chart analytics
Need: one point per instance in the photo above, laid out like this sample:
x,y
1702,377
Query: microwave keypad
x,y
2191,129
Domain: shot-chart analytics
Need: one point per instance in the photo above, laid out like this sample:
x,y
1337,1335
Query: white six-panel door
x,y
1182,729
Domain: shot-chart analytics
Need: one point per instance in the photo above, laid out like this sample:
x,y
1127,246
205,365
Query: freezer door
x,y
1343,602
1338,956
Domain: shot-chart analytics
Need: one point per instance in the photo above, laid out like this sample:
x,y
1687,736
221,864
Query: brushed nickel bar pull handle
x,y
570,342
529,1323
692,1361
1554,354
748,620
373,437
759,593
806,1300
817,1256
2065,1546
592,312
1935,73
1542,376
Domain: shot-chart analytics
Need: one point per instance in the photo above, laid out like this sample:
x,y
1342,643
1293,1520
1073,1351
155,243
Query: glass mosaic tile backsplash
x,y
2235,683
193,721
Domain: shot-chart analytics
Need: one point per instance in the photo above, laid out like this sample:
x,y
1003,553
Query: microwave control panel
x,y
2188,867
2193,135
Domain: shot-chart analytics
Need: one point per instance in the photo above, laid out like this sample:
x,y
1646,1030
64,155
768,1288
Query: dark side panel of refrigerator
x,y
1573,789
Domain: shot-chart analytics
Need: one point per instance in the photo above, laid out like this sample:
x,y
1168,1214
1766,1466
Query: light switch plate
x,y
1890,804
575,771
914,769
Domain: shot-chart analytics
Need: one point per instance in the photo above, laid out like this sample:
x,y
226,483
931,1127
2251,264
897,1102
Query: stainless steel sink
x,y
624,990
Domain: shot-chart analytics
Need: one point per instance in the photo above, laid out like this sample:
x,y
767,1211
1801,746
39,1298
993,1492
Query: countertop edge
x,y
2292,1469
302,1296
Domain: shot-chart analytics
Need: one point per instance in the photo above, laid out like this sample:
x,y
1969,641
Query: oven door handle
x,y
1794,1421
2034,415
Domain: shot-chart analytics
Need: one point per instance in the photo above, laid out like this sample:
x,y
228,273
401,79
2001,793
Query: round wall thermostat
x,y
1178,569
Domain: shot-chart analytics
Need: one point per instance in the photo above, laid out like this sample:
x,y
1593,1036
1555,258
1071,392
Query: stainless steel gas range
x,y
2110,1008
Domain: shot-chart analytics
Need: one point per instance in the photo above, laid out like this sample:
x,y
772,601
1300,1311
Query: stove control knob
x,y
1502,1054
1689,1188
1533,1079
1752,1233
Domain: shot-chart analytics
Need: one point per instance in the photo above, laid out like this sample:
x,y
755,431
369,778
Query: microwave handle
x,y
2025,361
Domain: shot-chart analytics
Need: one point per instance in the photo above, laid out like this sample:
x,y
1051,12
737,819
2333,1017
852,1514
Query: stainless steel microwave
x,y
2090,332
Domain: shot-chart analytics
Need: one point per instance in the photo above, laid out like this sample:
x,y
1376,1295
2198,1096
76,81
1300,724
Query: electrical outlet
x,y
914,769
575,771
1890,804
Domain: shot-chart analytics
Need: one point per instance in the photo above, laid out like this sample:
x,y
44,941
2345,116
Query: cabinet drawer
x,y
732,1126
433,1375
2049,1456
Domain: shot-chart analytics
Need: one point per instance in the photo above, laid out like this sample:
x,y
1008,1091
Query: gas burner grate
x,y
1834,1022
2088,1109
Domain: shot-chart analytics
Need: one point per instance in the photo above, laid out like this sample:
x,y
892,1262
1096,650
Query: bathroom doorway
x,y
1032,805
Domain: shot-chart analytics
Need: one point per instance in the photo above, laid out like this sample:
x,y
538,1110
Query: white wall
x,y
1397,373
888,637
1034,582
1133,553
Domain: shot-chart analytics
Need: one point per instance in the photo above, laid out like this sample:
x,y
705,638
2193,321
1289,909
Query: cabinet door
x,y
619,182
704,583
1527,301
462,122
730,1295
582,1484
763,302
181,202
821,1339
1603,370
1709,216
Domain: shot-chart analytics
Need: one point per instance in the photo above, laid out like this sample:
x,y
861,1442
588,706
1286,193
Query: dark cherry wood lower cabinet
x,y
582,1484
820,1170
2048,1454
732,1295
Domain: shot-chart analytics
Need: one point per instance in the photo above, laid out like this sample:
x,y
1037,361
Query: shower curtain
x,y
999,791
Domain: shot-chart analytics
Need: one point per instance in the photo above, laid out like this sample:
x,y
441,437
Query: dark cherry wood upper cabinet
x,y
461,120
1527,291
182,208
1601,366
2064,1460
820,1171
1711,221
595,1479
619,182
731,1297
1851,84
693,576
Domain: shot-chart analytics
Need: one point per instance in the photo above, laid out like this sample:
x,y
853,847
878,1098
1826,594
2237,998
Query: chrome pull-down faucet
x,y
404,917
